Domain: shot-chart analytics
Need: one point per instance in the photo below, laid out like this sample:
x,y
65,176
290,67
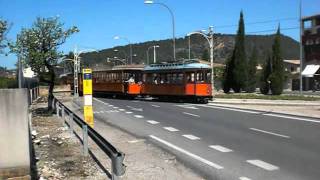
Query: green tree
x,y
3,31
277,76
252,70
205,55
38,47
265,74
235,75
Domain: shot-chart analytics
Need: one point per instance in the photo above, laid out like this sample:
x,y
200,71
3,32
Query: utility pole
x,y
301,47
20,74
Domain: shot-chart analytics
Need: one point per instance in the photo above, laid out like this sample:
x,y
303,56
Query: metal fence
x,y
71,119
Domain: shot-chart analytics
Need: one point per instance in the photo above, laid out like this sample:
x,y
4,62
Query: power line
x,y
257,22
273,30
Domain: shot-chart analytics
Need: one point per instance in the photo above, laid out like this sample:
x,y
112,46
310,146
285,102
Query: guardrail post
x,y
85,139
117,166
57,109
71,123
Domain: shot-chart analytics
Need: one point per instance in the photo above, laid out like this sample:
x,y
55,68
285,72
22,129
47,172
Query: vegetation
x,y
7,83
38,47
223,48
264,77
205,55
252,71
3,30
236,68
268,97
277,76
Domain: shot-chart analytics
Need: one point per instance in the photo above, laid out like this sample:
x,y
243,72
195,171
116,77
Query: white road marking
x,y
190,136
99,100
135,109
138,116
136,141
121,109
263,165
101,111
153,105
153,122
291,117
110,105
116,107
187,153
135,101
187,106
267,132
128,112
190,114
244,178
220,148
226,108
171,129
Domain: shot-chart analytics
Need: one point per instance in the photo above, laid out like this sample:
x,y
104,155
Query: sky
x,y
100,20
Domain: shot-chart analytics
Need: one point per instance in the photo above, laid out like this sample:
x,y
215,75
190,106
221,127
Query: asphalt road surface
x,y
222,143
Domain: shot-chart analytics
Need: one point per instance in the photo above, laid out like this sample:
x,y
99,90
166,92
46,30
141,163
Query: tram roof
x,y
177,66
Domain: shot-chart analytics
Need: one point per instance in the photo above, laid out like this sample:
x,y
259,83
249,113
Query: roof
x,y
129,67
177,66
310,70
292,61
310,17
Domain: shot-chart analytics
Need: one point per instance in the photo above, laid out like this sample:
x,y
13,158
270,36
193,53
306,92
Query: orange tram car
x,y
188,81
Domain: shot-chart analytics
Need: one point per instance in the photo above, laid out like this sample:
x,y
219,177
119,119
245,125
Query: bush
x,y
276,85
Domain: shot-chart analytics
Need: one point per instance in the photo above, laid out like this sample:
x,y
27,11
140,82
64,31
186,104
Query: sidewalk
x,y
291,107
143,160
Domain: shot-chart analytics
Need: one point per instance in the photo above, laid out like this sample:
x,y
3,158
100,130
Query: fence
x,y
117,157
33,94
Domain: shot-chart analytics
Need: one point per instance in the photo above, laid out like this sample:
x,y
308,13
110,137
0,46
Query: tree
x,y
252,70
3,31
277,76
205,55
264,78
38,47
236,68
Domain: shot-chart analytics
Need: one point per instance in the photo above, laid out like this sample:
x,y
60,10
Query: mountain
x,y
223,46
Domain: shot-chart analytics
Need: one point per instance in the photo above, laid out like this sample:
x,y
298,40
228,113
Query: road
x,y
222,143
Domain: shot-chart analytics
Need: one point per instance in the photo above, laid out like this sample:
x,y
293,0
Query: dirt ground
x,y
57,153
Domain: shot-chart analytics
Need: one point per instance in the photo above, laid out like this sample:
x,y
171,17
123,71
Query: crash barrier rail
x,y
117,157
33,94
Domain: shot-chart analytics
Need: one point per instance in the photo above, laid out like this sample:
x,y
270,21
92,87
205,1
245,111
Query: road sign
x,y
87,95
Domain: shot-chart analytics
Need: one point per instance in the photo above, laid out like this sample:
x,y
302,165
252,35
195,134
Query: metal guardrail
x,y
117,157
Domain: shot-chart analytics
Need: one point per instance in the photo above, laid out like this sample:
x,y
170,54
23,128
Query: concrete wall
x,y
14,133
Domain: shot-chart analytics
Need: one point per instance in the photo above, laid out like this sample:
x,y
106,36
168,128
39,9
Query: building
x,y
311,47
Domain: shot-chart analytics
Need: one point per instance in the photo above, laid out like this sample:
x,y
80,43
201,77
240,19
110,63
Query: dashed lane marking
x,y
187,106
190,114
153,122
292,117
121,109
171,129
268,132
226,108
244,178
220,148
153,105
194,156
128,112
263,165
190,136
116,107
138,116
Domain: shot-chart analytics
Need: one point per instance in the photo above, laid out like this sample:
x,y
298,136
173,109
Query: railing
x,y
117,157
33,94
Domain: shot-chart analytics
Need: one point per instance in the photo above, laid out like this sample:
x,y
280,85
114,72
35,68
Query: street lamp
x,y
130,45
125,54
209,38
173,24
154,53
76,67
189,42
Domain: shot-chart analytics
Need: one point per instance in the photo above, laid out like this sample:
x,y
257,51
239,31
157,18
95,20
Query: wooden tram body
x,y
179,81
121,82
168,81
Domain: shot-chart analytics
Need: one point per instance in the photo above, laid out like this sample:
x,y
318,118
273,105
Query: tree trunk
x,y
50,97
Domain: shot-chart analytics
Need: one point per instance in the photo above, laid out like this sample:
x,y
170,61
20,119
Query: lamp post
x,y
125,54
76,67
130,45
173,24
301,47
209,38
154,53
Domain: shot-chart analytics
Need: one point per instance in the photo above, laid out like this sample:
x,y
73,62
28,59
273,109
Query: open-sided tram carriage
x,y
178,81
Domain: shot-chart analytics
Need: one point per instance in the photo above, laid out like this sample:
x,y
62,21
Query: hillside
x,y
223,48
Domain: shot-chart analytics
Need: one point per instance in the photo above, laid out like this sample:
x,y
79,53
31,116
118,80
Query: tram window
x,y
179,78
